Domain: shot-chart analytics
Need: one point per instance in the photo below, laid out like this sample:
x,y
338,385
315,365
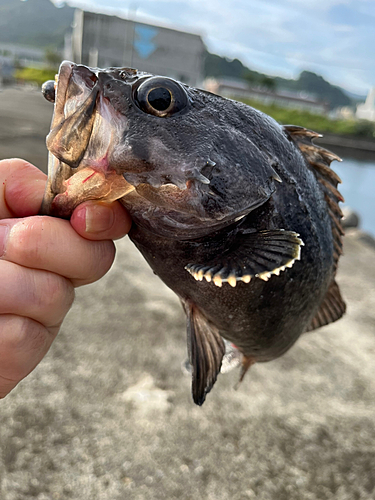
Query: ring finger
x,y
40,295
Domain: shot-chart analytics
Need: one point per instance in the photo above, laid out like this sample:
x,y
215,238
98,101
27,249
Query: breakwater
x,y
354,147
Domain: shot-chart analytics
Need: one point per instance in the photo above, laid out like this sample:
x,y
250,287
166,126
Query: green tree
x,y
250,78
269,83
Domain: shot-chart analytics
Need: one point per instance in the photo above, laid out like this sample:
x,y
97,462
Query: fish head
x,y
183,161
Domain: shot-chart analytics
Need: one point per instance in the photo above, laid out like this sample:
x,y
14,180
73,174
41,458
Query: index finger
x,y
21,188
21,192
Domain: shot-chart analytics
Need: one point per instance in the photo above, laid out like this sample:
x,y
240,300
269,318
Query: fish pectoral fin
x,y
330,310
252,255
206,350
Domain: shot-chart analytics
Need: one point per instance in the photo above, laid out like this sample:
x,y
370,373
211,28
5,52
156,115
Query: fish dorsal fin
x,y
320,160
206,350
330,310
252,255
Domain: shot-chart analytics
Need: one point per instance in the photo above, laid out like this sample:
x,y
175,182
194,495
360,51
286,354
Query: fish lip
x,y
63,78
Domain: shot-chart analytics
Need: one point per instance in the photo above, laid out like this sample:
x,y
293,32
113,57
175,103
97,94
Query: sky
x,y
334,38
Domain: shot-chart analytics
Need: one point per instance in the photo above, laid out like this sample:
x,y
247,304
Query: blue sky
x,y
335,38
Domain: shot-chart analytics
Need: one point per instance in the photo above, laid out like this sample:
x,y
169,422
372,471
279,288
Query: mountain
x,y
317,86
218,66
38,23
308,82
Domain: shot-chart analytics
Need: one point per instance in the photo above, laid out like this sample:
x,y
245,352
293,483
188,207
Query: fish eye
x,y
48,90
161,97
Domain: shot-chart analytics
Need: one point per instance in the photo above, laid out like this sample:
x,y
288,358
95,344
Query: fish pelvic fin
x,y
330,310
206,350
258,254
319,160
247,362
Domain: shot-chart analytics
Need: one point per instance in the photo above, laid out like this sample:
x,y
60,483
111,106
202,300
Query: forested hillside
x,y
38,23
308,82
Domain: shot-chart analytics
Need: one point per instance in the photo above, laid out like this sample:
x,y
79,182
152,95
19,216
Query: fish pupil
x,y
160,98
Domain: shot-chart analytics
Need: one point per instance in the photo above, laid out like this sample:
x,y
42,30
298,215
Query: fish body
x,y
238,215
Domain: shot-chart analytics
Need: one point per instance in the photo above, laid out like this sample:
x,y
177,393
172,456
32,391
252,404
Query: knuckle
x,y
23,342
53,296
26,240
24,335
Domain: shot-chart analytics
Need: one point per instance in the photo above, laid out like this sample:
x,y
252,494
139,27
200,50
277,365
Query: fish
x,y
237,214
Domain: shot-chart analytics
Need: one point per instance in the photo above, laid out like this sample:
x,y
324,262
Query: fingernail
x,y
98,218
4,232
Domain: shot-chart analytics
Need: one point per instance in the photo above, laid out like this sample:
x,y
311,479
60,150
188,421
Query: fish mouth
x,y
74,177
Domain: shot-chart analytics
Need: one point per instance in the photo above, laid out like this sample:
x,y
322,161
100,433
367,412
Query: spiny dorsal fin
x,y
206,350
330,310
320,160
258,254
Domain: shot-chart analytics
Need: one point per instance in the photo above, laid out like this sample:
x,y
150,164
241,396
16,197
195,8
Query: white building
x,y
103,41
366,111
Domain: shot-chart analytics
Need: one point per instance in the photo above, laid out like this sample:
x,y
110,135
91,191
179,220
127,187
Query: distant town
x,y
100,40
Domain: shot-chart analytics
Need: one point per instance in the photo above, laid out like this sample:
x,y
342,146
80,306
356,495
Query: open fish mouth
x,y
76,172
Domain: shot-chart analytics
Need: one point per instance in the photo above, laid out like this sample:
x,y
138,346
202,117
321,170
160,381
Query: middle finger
x,y
52,244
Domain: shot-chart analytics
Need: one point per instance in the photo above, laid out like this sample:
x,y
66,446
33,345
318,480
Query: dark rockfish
x,y
235,213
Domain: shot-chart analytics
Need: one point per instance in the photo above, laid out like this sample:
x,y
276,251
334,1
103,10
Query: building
x,y
366,111
103,41
24,55
240,89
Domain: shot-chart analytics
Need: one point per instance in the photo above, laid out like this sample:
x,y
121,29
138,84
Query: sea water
x,y
358,189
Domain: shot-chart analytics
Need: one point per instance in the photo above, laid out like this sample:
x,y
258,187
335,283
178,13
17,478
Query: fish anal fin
x,y
206,350
330,310
319,159
252,255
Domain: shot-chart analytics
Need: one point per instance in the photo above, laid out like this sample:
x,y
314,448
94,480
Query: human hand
x,y
42,260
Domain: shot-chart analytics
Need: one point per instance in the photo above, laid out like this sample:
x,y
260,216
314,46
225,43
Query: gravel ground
x,y
108,414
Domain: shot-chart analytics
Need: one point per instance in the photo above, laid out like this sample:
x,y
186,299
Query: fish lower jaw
x,y
89,184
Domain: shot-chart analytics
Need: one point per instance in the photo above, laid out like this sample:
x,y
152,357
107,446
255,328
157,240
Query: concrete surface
x,y
108,414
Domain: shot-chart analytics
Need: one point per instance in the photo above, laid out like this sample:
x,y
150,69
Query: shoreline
x,y
354,147
361,236
344,141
